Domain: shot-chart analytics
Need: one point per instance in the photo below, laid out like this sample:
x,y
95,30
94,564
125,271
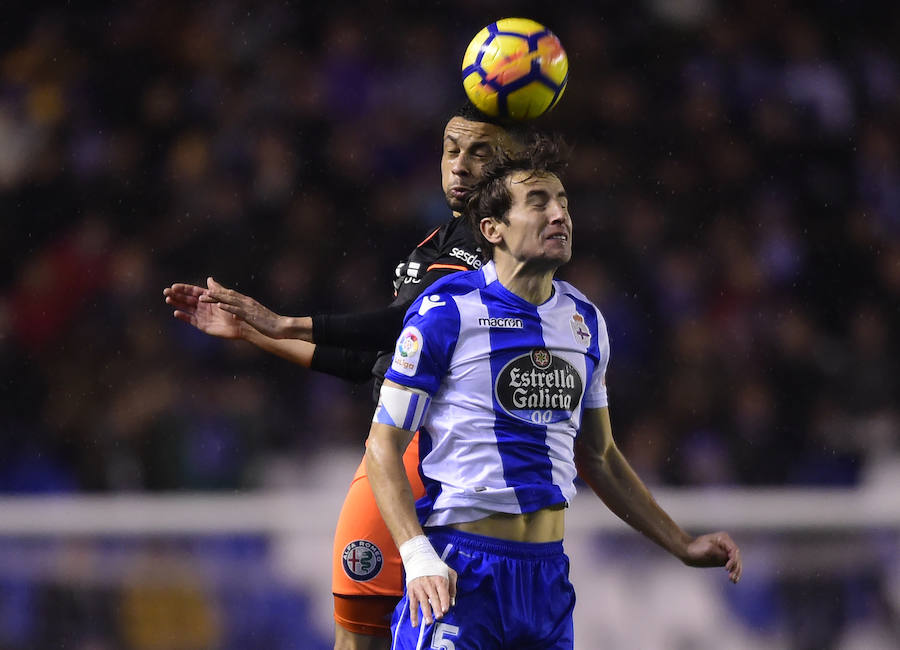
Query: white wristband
x,y
420,559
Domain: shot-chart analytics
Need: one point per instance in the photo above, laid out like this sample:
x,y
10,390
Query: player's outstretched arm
x,y
371,331
605,469
210,318
430,583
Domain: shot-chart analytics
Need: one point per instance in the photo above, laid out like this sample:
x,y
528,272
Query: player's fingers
x,y
452,587
213,289
733,555
724,540
429,605
223,296
185,289
413,608
179,306
220,290
439,599
737,567
232,309
180,297
179,302
182,316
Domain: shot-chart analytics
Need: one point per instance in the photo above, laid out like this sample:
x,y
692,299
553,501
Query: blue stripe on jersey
x,y
589,313
592,358
425,503
522,446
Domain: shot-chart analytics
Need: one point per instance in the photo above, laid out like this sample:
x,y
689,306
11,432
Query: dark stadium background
x,y
735,189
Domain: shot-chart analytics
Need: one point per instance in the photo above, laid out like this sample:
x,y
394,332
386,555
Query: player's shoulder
x,y
438,235
575,294
568,289
459,283
438,302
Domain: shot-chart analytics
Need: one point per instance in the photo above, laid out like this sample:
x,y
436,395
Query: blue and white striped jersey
x,y
509,381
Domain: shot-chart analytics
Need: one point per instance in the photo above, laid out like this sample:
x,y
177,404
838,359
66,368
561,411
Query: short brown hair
x,y
491,198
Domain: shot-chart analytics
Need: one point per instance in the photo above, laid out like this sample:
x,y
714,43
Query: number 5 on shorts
x,y
438,641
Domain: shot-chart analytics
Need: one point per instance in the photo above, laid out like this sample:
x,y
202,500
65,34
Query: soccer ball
x,y
515,68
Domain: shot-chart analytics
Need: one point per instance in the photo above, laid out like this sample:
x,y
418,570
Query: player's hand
x,y
715,549
434,594
205,316
246,309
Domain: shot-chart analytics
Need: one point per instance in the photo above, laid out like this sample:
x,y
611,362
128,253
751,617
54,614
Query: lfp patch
x,y
362,560
406,354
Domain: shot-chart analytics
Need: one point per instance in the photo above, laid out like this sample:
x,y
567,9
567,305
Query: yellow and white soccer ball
x,y
515,68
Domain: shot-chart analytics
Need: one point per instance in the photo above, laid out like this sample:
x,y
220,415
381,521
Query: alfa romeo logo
x,y
362,560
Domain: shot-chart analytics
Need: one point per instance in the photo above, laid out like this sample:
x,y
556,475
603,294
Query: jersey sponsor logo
x,y
406,355
504,323
580,330
539,387
430,302
471,259
362,560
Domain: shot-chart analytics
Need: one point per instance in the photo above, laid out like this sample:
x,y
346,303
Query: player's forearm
x,y
623,492
387,476
296,351
296,327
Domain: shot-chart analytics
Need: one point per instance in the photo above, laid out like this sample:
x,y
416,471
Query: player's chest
x,y
531,375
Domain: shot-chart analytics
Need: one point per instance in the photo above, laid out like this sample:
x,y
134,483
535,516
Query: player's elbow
x,y
590,466
592,462
386,444
591,454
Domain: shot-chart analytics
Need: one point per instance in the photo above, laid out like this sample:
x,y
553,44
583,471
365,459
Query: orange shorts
x,y
366,563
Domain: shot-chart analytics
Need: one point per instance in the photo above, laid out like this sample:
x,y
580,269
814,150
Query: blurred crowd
x,y
735,188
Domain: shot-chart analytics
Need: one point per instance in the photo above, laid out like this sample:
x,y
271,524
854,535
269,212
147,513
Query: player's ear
x,y
490,230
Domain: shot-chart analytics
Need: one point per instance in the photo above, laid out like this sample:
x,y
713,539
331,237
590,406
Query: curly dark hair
x,y
491,199
517,130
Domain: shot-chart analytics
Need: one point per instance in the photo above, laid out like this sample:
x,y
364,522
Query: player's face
x,y
539,228
468,146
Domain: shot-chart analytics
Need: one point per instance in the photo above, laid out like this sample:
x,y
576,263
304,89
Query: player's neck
x,y
532,284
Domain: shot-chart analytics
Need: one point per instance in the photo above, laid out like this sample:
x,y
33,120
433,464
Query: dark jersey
x,y
447,249
346,344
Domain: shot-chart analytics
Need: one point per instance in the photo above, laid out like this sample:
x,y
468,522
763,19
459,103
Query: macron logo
x,y
507,323
430,302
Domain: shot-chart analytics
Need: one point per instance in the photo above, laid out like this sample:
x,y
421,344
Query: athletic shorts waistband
x,y
441,536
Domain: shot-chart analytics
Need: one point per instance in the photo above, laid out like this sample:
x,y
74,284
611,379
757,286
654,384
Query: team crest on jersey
x,y
362,560
539,387
406,355
580,330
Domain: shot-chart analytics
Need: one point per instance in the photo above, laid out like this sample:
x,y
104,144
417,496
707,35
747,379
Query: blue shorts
x,y
512,595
